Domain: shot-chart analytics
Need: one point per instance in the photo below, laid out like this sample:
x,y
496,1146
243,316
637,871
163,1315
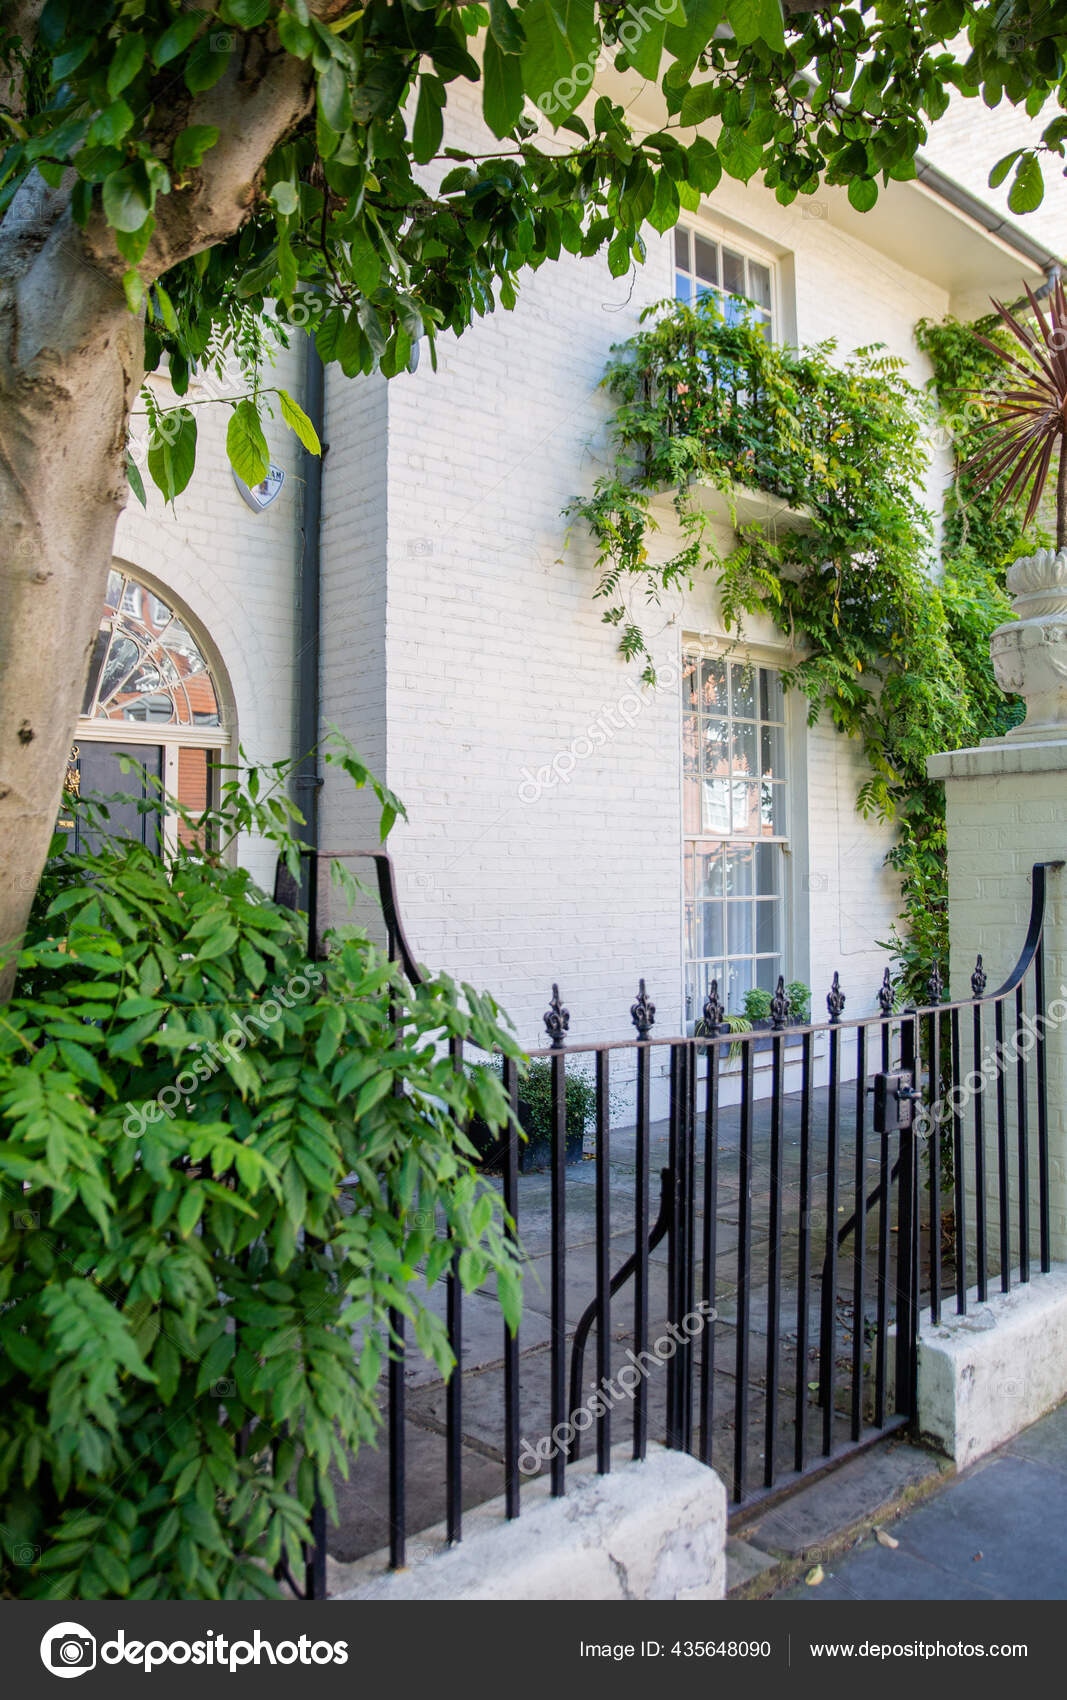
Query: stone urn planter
x,y
1030,653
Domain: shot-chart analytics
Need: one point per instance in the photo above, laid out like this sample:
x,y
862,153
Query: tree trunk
x,y
70,368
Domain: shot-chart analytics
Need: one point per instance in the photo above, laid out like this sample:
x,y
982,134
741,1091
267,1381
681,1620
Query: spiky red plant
x,y
1029,422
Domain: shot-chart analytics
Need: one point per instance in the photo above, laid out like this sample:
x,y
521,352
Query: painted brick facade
x,y
462,652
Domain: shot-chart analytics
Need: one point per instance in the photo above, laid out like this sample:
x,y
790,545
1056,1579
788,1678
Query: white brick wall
x,y
235,573
497,659
462,650
969,140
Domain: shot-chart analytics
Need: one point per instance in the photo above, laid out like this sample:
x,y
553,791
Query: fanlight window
x,y
147,668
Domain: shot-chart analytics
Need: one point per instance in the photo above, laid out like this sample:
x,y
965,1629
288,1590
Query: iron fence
x,y
804,1346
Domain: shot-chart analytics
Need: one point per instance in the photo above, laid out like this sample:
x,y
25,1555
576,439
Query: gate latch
x,y
893,1094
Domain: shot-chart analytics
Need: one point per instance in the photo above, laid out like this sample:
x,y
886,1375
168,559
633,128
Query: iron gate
x,y
821,1187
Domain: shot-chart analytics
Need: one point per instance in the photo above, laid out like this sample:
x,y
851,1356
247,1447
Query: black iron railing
x,y
810,1216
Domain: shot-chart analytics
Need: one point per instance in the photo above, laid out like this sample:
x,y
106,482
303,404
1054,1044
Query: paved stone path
x,y
363,1499
996,1532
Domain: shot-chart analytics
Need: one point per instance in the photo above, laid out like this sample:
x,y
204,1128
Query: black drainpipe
x,y
308,779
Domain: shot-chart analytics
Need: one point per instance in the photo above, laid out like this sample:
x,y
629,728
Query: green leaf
x,y
298,421
129,57
364,262
1028,190
741,156
863,193
190,1208
664,211
207,62
246,14
191,146
757,20
699,104
133,288
176,39
562,37
1002,167
127,198
172,452
108,127
702,17
285,197
246,446
705,166
429,128
136,482
505,28
502,91
334,101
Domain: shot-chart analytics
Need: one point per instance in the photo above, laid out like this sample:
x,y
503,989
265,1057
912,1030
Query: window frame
x,y
218,741
748,247
693,648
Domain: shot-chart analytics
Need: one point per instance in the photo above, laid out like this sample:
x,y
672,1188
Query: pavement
x,y
998,1531
363,1497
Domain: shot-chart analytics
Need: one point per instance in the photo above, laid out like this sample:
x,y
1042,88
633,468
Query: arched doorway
x,y
153,695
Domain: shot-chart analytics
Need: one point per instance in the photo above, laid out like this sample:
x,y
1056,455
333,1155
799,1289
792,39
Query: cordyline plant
x,y
1029,423
194,1311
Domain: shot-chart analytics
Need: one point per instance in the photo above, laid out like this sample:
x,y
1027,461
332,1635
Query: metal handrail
x,y
664,1221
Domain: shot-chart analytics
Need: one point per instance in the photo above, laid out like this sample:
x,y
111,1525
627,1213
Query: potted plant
x,y
535,1120
759,1005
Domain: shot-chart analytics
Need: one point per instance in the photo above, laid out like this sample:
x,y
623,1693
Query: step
x,y
817,1521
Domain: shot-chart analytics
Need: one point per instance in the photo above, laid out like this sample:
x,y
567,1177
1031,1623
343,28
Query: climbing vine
x,y
894,651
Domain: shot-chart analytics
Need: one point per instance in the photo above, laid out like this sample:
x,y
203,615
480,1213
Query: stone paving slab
x,y
855,1491
483,1338
363,1501
996,1531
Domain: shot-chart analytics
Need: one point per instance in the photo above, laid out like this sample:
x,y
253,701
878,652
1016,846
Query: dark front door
x,y
101,775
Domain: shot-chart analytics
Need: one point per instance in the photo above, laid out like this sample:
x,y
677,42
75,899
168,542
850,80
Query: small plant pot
x,y
764,1025
535,1151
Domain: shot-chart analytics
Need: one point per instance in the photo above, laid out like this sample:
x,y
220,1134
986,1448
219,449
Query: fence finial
x,y
713,1011
978,978
557,1019
835,999
779,1004
935,985
643,1012
885,994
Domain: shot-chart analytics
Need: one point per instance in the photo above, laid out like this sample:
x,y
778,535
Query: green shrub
x,y
535,1092
799,998
193,1314
757,1003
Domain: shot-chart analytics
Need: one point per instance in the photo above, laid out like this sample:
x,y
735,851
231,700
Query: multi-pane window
x,y
735,826
742,284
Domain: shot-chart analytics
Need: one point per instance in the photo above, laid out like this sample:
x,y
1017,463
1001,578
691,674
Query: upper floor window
x,y
742,283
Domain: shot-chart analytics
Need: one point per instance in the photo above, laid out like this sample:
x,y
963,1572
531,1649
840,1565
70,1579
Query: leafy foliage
x,y
221,1167
895,656
364,225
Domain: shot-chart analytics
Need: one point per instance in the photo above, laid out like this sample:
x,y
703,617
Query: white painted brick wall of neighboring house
x,y
234,571
497,659
969,140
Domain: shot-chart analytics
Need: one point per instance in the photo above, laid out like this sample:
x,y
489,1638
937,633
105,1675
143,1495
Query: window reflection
x,y
146,665
734,814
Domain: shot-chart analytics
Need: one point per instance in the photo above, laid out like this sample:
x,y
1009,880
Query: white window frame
x,y
219,741
748,247
700,650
